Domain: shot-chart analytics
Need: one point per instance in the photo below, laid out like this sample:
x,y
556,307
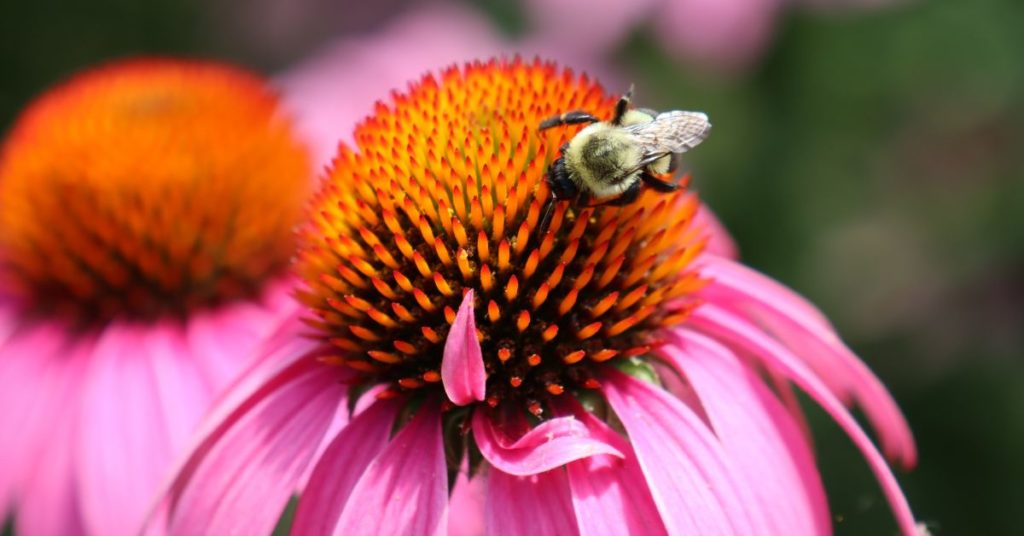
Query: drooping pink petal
x,y
719,242
49,502
142,398
551,444
34,390
41,458
760,435
466,505
286,345
693,482
462,366
405,489
537,505
610,495
726,326
801,327
339,468
229,334
240,476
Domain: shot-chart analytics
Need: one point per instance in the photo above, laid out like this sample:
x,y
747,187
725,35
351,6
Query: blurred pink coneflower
x,y
146,215
610,376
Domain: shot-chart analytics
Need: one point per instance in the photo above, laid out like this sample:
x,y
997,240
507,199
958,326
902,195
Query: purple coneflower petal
x,y
551,444
339,468
610,495
405,489
462,367
719,242
160,398
466,505
802,328
32,362
739,332
243,473
47,503
538,505
50,503
760,435
688,471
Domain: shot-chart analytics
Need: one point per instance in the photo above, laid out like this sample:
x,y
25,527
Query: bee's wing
x,y
671,132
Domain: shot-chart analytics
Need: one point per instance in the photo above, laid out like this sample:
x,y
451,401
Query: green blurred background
x,y
871,159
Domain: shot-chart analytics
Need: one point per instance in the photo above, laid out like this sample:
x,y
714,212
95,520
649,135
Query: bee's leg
x,y
631,194
673,163
657,184
569,118
622,106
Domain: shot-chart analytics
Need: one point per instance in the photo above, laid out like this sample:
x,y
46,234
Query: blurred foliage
x,y
872,161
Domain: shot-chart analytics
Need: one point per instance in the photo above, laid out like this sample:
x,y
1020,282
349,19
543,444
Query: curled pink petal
x,y
760,434
242,474
537,505
462,366
405,489
610,495
801,327
737,331
553,443
692,480
339,468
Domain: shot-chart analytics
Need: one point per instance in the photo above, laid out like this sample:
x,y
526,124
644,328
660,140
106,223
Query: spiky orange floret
x,y
148,187
443,193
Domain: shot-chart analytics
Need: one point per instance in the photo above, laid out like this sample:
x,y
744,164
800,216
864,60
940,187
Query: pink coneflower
x,y
146,214
610,376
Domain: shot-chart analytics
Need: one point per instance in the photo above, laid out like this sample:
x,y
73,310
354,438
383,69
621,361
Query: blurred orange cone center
x,y
146,188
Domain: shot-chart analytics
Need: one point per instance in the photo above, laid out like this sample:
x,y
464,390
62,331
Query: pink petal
x,y
760,435
280,350
142,399
608,22
35,380
537,505
801,327
719,243
690,475
727,326
37,450
239,478
50,502
405,489
466,505
226,339
551,444
462,366
341,465
610,495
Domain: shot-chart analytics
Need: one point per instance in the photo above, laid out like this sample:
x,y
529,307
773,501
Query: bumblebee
x,y
611,161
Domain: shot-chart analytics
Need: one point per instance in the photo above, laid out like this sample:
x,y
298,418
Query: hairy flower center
x,y
147,188
443,194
